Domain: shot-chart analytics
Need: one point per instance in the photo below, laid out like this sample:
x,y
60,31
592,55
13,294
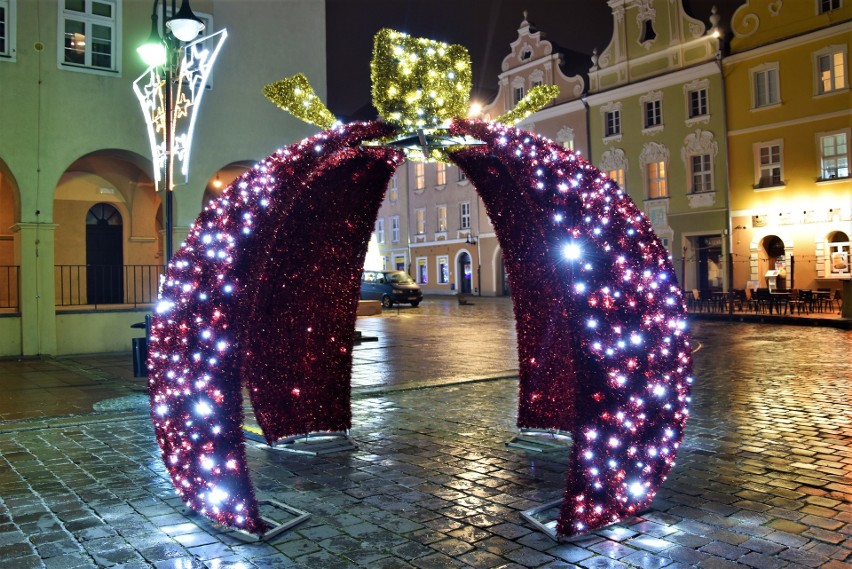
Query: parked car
x,y
391,287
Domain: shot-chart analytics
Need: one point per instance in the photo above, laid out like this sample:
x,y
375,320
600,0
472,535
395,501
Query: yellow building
x,y
789,113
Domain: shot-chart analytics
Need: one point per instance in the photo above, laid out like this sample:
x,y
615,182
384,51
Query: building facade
x,y
789,120
81,222
657,116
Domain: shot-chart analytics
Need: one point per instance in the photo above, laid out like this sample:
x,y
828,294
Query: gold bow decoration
x,y
419,85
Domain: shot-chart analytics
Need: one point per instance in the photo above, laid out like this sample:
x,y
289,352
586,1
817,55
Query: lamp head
x,y
153,52
185,25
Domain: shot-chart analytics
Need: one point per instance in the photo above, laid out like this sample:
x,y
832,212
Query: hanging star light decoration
x,y
603,348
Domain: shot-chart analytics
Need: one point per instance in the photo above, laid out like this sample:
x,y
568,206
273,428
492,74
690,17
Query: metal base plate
x,y
313,444
544,518
278,516
540,440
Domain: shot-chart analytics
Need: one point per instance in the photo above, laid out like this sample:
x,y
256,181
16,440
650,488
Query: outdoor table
x,y
778,298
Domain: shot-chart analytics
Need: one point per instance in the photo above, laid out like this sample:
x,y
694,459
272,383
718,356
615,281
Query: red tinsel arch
x,y
602,348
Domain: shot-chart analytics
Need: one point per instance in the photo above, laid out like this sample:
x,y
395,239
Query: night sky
x,y
484,27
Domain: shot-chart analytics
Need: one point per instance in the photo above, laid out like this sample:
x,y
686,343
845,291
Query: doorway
x,y
104,255
465,273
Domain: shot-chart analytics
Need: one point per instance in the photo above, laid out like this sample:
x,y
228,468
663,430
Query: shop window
x,y
443,269
399,262
422,271
838,255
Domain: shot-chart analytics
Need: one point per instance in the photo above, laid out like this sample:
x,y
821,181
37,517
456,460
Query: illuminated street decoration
x,y
603,348
196,62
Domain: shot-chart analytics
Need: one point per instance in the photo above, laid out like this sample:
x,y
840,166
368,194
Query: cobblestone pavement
x,y
764,478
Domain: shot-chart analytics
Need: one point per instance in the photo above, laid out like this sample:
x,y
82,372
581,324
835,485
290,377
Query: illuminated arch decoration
x,y
603,351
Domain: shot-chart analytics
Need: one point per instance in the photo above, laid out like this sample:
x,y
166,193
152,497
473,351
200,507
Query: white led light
x,y
572,251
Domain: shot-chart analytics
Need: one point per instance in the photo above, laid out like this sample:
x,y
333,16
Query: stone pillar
x,y
34,254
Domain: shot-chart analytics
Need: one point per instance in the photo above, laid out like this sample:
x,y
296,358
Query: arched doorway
x,y
104,255
465,273
222,179
774,252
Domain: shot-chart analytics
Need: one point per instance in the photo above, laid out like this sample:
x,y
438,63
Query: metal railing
x,y
10,287
87,285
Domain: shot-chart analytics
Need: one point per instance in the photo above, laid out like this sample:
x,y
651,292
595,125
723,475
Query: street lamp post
x,y
170,93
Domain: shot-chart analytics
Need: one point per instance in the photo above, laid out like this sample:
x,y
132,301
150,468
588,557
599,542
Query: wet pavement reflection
x,y
763,479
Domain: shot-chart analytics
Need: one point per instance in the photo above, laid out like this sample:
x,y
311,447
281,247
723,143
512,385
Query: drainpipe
x,y
588,124
728,231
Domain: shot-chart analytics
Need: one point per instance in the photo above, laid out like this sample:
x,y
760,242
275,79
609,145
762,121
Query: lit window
x,y
617,176
835,155
653,113
380,230
420,217
7,29
769,171
442,218
89,34
829,5
831,69
443,269
440,174
393,190
464,215
838,255
656,177
702,173
395,229
422,271
697,103
419,175
766,87
613,123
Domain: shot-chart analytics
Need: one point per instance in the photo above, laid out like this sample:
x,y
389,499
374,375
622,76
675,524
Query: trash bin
x,y
140,357
140,349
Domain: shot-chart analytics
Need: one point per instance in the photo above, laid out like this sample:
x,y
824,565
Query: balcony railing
x,y
97,285
10,287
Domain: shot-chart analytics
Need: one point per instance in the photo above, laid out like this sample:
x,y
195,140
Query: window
x,y
653,113
7,29
443,269
395,229
834,149
380,230
765,82
828,5
422,271
526,54
464,215
518,94
617,176
393,190
769,165
838,255
419,175
656,176
697,103
537,83
831,69
648,32
442,218
399,262
440,174
89,31
613,123
462,176
702,173
420,217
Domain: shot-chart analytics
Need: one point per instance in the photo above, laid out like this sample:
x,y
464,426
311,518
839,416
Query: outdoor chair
x,y
807,298
795,303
